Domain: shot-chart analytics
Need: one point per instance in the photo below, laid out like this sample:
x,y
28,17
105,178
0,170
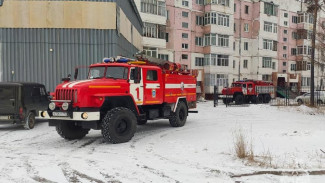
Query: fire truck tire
x,y
119,125
253,99
239,99
142,122
266,98
178,118
259,99
68,130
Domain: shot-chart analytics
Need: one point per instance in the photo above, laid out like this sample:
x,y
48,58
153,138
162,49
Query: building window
x,y
234,7
273,65
294,19
163,56
184,14
185,3
285,31
270,27
199,20
269,45
284,63
233,64
293,67
284,71
210,39
223,60
167,14
266,62
266,77
285,39
305,81
153,7
245,64
284,55
246,27
154,30
294,35
246,9
293,51
184,35
167,37
200,2
285,23
184,46
246,46
220,2
308,67
199,61
184,24
223,20
234,46
152,52
223,40
198,41
285,15
270,9
284,47
184,56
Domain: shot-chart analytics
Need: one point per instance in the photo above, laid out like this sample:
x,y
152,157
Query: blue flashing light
x,y
106,60
123,60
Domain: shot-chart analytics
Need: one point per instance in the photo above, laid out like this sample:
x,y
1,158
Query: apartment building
x,y
229,40
154,17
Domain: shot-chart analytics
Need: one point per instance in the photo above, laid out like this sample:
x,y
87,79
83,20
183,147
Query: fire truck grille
x,y
66,94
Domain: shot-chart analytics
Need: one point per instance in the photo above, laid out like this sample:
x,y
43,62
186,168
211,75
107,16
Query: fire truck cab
x,y
117,96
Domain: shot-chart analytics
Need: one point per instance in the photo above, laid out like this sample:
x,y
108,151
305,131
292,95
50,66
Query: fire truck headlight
x,y
65,106
84,115
43,114
52,106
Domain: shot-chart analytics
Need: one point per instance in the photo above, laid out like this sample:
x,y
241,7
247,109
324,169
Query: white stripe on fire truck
x,y
75,83
170,86
65,85
152,86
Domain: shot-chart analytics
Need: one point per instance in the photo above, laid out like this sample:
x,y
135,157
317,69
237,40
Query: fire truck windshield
x,y
96,72
117,72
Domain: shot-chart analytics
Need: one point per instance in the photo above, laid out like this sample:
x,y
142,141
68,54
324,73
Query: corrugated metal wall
x,y
47,55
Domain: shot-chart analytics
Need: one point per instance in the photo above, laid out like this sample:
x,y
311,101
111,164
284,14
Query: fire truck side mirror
x,y
137,75
76,73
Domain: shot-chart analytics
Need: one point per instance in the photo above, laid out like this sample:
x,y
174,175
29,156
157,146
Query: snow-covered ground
x,y
289,139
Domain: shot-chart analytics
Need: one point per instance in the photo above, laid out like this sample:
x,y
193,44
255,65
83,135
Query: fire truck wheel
x,y
68,130
29,121
253,99
239,100
178,118
142,122
259,99
119,125
266,98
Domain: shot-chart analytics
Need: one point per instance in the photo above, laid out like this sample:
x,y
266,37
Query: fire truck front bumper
x,y
72,116
224,96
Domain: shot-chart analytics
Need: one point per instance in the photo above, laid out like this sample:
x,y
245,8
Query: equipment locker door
x,y
153,89
136,89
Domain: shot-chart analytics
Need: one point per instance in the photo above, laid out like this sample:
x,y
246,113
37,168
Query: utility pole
x,y
312,70
240,29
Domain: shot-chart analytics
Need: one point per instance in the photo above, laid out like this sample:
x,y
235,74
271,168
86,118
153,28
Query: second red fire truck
x,y
120,94
247,91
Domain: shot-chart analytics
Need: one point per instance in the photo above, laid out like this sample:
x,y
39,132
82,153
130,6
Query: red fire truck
x,y
120,94
248,91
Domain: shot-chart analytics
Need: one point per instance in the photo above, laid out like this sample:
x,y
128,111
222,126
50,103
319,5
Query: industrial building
x,y
43,41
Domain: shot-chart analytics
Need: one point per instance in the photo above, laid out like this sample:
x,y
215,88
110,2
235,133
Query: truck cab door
x,y
136,87
153,89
